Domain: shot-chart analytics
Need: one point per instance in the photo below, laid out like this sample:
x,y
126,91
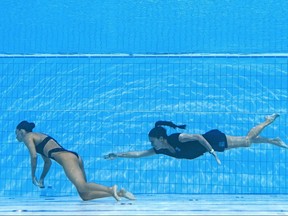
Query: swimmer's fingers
x,y
41,186
35,181
218,160
41,183
215,156
38,183
110,156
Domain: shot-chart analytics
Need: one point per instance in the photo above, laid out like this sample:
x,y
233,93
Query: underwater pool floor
x,y
163,204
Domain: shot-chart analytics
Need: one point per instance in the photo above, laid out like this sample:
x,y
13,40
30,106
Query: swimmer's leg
x,y
255,131
253,136
91,191
274,141
81,164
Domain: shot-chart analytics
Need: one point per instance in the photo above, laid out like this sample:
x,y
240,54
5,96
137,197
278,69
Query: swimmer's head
x,y
22,129
25,125
159,131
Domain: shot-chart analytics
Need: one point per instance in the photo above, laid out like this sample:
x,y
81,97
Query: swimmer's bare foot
x,y
272,117
277,141
114,193
126,194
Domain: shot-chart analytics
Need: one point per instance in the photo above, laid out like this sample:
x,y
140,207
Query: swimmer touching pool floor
x,y
71,162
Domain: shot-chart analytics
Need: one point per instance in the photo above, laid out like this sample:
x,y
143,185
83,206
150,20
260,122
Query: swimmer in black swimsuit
x,y
70,161
190,146
40,148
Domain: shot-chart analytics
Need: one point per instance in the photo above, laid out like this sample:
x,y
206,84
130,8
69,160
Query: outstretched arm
x,y
193,137
131,154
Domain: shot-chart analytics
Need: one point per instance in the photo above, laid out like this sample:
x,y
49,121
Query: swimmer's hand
x,y
41,183
38,183
215,156
110,156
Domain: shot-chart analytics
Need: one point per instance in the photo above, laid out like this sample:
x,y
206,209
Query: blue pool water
x,y
87,77
144,26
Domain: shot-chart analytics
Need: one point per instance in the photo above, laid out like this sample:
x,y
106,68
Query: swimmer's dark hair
x,y
170,124
159,131
25,125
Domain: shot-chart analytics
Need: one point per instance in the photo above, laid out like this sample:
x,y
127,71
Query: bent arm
x,y
195,137
131,154
201,140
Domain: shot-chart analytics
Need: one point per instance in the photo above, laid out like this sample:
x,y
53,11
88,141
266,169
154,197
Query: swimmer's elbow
x,y
48,162
33,156
150,152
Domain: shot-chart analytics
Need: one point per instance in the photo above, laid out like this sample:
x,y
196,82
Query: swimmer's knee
x,y
84,196
247,142
82,191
